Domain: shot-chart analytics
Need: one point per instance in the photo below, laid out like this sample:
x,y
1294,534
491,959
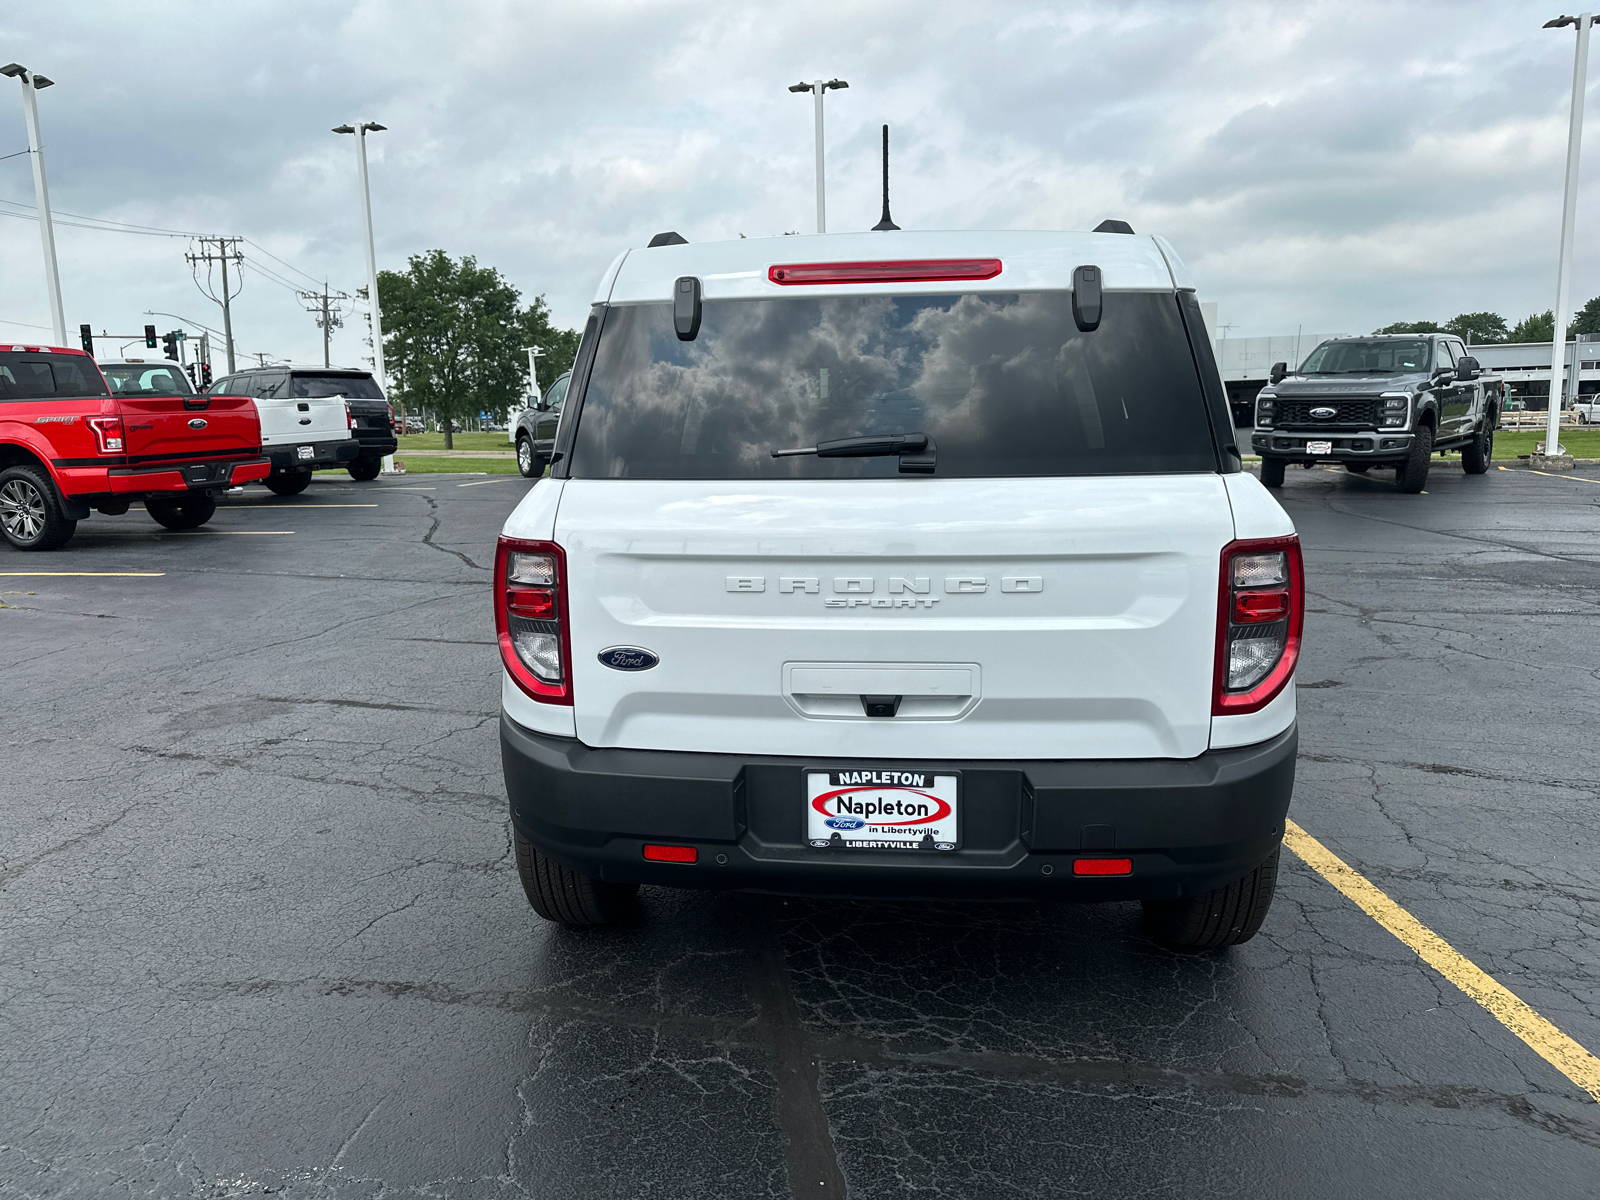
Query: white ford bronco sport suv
x,y
901,564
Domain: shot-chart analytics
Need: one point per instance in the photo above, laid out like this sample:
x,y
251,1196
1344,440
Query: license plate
x,y
1319,447
307,451
883,808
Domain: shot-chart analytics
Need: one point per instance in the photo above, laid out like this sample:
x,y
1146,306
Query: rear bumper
x,y
1372,446
375,444
323,454
190,477
1187,825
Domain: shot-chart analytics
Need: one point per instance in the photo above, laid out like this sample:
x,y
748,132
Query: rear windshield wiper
x,y
916,451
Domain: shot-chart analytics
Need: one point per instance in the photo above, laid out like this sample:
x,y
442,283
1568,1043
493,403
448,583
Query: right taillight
x,y
1261,608
530,616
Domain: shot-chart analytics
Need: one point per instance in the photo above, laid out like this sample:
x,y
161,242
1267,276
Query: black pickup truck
x,y
1389,401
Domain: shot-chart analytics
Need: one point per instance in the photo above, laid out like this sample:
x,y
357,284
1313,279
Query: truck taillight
x,y
349,418
1260,611
390,407
530,616
107,434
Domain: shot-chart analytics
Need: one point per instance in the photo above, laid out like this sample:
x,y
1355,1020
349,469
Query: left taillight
x,y
107,434
1261,609
530,616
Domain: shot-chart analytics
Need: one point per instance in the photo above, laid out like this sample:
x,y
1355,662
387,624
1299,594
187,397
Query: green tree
x,y
1484,328
1537,327
1587,318
1410,327
454,334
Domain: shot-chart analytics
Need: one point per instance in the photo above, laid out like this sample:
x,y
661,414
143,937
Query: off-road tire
x,y
1224,916
188,511
32,516
288,483
1358,468
529,464
1411,476
1477,454
561,894
1272,472
364,470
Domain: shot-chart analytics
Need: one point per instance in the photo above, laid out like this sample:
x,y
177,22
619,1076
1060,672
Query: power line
x,y
276,259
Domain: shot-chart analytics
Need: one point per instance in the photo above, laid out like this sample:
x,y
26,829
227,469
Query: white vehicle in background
x,y
299,433
1588,411
901,564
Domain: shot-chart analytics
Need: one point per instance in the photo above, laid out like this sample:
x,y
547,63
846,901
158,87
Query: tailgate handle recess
x,y
876,691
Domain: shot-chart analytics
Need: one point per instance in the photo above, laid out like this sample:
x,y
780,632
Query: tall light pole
x,y
1569,206
31,84
361,130
817,88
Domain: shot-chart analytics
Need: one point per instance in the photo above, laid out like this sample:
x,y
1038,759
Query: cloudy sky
x,y
1333,165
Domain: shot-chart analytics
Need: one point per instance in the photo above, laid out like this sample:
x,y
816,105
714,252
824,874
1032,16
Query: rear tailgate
x,y
1055,618
167,428
290,422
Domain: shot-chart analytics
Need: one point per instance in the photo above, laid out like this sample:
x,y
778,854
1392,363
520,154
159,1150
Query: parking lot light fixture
x,y
31,84
1553,454
817,88
361,130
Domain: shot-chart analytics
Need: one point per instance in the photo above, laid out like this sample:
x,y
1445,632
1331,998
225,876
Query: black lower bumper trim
x,y
323,454
1188,825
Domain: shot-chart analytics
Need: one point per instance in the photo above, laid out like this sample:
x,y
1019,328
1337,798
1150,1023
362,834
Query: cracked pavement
x,y
263,934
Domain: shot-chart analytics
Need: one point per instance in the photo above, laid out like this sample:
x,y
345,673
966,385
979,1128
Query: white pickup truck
x,y
298,433
1588,411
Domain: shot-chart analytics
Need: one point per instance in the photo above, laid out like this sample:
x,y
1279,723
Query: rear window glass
x,y
144,379
356,387
1004,384
25,376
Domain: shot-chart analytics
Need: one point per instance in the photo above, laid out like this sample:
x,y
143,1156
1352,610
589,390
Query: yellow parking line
x,y
224,532
275,507
1555,1047
481,482
1553,475
96,574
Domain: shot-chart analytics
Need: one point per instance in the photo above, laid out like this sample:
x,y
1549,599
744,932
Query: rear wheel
x,y
1477,454
529,464
1411,476
364,469
31,513
1272,472
181,512
289,483
561,894
1224,916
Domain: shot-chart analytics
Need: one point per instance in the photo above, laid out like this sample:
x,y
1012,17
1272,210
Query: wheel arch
x,y
16,454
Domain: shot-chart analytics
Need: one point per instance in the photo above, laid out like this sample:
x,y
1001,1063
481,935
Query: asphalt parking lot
x,y
263,932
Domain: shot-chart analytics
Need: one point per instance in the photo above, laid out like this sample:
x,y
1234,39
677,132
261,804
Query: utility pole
x,y
361,130
1553,456
227,251
817,88
326,307
31,84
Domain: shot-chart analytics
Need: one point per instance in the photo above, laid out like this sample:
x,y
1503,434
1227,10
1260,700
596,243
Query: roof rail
x,y
1111,225
670,238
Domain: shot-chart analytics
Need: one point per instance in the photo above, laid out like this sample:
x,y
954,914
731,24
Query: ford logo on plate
x,y
628,658
1323,412
197,423
844,822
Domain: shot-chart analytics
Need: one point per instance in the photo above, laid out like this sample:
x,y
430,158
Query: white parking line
x,y
481,482
95,574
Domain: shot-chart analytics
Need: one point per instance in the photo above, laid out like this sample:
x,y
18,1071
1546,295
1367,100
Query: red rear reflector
x,y
1251,607
683,854
907,271
1102,866
538,603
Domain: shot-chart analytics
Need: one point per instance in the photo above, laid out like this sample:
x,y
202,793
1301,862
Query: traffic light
x,y
169,343
205,375
150,336
87,335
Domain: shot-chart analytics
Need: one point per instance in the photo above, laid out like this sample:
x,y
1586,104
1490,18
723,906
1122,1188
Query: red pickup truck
x,y
68,444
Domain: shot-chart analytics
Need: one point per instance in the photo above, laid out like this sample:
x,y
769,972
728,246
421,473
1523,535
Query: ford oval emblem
x,y
1323,412
844,822
627,658
197,423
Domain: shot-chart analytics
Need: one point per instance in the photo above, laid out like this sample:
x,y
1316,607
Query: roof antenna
x,y
886,222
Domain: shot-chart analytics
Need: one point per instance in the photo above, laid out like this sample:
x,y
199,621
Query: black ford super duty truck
x,y
1389,401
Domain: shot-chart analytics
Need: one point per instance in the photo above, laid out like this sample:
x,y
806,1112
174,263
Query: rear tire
x,y
365,469
31,513
289,483
1411,476
568,897
1477,454
1224,916
1272,472
181,512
